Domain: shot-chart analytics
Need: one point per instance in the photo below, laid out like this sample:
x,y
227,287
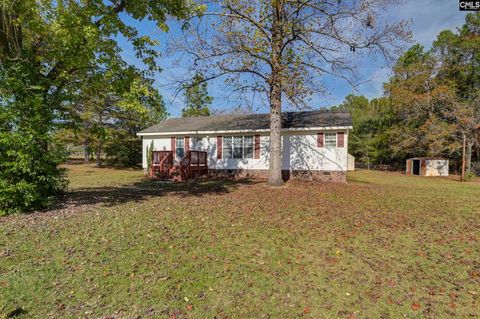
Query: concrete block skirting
x,y
324,176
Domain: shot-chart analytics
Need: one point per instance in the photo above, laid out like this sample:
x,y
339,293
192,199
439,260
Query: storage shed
x,y
427,166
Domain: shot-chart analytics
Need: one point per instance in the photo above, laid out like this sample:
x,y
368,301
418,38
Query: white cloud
x,y
429,17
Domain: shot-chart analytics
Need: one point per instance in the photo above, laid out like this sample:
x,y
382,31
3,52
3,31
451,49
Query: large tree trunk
x,y
276,78
275,170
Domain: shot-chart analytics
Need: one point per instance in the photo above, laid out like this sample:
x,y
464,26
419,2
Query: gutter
x,y
307,129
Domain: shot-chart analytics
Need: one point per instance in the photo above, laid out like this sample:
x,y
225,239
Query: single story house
x,y
427,166
314,143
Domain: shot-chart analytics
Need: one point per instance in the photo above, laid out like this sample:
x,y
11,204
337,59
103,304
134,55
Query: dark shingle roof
x,y
290,120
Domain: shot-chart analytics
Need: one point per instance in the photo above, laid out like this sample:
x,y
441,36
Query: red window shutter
x,y
320,140
257,146
340,139
219,147
173,144
187,144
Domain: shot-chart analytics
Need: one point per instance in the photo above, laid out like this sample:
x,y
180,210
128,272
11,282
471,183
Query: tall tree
x,y
138,107
109,108
197,99
459,57
44,45
284,48
421,101
370,139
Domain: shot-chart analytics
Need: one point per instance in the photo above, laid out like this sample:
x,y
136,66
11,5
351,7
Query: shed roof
x,y
290,120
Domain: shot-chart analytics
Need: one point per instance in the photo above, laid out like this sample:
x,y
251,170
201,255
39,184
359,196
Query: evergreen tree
x,y
197,99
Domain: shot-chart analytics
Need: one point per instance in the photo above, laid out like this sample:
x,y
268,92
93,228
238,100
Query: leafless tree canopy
x,y
284,47
295,43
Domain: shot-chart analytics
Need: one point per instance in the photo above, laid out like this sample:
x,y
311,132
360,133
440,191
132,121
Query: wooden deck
x,y
193,165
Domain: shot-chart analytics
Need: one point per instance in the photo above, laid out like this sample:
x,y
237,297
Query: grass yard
x,y
118,246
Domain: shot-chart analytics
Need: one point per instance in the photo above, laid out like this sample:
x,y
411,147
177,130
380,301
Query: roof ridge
x,y
260,114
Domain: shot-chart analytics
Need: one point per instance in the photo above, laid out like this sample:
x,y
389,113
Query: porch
x,y
192,165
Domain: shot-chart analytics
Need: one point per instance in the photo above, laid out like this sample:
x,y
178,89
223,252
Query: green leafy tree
x,y
44,47
29,158
369,140
458,54
140,106
197,99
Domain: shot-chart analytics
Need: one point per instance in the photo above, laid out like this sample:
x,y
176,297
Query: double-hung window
x,y
197,143
180,147
237,147
330,140
248,146
227,147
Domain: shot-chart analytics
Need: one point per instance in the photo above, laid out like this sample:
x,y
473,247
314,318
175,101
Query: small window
x,y
197,143
248,146
330,140
227,147
237,147
180,147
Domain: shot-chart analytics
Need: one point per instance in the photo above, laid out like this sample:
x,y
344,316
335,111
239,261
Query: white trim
x,y
306,129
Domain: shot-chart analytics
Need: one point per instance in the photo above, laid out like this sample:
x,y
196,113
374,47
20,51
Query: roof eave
x,y
304,129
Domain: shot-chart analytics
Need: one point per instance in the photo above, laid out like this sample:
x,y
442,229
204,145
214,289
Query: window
x,y
180,147
248,146
238,147
227,147
330,140
197,143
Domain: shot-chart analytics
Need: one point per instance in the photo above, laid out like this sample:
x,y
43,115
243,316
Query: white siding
x,y
160,143
437,167
300,152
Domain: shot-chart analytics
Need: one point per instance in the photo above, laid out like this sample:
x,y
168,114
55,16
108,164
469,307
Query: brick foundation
x,y
324,176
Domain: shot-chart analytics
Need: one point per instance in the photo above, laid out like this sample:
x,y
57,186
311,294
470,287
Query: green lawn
x,y
383,246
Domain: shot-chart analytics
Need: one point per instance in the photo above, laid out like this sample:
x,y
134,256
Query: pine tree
x,y
197,99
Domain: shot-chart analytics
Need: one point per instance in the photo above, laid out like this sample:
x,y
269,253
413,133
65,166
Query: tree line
x,y
430,106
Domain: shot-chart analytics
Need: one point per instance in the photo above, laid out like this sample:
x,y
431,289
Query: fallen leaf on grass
x,y
415,306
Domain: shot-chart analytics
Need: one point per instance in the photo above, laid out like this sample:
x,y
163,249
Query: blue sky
x,y
428,18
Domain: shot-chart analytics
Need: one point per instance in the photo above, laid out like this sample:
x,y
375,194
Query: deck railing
x,y
162,161
193,164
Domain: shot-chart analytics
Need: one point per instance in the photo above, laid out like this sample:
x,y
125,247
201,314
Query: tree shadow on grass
x,y
357,180
140,191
